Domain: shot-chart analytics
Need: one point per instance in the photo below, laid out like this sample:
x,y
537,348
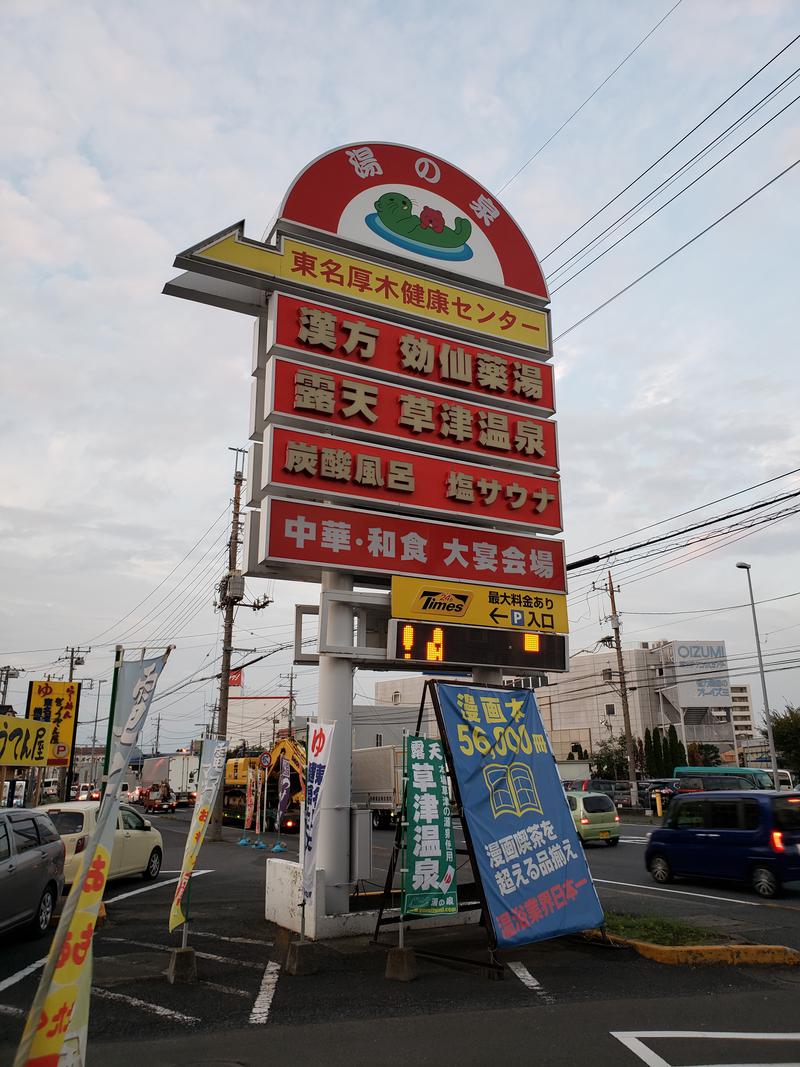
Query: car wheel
x,y
660,870
151,871
44,913
612,842
765,882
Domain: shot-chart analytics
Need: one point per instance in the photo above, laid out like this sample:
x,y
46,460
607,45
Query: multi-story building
x,y
742,710
680,683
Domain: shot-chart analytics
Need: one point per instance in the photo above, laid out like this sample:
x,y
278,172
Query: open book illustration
x,y
512,790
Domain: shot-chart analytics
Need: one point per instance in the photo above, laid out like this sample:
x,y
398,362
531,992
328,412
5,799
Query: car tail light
x,y
777,841
616,818
80,844
584,821
289,823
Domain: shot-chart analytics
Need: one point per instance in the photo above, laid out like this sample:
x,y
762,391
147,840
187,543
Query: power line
x,y
166,577
683,514
672,148
676,251
671,200
591,96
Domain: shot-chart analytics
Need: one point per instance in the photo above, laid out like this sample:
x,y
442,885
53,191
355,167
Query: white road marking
x,y
228,989
683,893
527,979
150,887
233,940
145,1005
19,975
169,948
6,1009
263,1002
632,1039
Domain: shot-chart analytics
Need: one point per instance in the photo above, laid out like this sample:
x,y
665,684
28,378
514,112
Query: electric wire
x,y
672,148
590,97
671,200
677,251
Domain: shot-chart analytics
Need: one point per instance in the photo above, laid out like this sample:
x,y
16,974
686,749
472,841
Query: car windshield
x,y
596,804
763,780
67,822
787,813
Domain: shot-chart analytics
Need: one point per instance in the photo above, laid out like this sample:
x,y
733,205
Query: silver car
x,y
31,869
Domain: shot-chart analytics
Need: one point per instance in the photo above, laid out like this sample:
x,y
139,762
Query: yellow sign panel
x,y
56,703
335,272
24,743
479,605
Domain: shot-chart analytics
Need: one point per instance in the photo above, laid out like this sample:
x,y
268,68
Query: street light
x,y
767,717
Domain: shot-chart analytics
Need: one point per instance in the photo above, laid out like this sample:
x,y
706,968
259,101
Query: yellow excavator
x,y
235,798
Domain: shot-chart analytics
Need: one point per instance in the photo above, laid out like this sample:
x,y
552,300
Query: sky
x,y
132,131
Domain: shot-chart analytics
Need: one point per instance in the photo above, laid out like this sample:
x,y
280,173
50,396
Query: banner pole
x,y
119,652
404,820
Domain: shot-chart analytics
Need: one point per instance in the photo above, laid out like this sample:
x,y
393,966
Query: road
x,y
348,1012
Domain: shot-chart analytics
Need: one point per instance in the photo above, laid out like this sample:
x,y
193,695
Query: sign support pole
x,y
336,706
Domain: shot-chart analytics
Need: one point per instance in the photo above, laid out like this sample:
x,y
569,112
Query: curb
x,y
694,955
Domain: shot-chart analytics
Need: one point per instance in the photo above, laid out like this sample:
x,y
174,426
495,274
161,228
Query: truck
x,y
180,770
377,783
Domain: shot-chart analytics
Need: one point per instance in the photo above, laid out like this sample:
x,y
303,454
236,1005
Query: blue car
x,y
746,836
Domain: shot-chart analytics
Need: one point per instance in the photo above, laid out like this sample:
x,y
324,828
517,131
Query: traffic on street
x,y
240,969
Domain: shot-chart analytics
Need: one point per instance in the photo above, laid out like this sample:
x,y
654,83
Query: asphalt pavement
x,y
560,1002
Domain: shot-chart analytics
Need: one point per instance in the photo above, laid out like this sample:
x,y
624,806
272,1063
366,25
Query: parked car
x,y
595,817
595,785
138,848
746,836
31,869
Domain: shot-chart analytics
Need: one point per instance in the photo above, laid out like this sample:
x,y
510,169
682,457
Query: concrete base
x,y
182,969
401,965
301,958
284,889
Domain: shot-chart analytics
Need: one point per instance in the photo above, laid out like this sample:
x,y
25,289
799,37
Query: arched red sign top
x,y
402,200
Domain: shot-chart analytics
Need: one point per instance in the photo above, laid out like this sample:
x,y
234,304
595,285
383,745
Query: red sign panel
x,y
324,466
361,542
360,406
383,347
404,201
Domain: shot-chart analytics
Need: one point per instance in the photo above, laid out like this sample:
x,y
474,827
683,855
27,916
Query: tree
x,y
658,755
639,757
649,766
693,755
786,732
676,753
709,755
610,759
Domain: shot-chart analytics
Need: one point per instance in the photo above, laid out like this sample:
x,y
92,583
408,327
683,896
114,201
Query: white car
x,y
138,848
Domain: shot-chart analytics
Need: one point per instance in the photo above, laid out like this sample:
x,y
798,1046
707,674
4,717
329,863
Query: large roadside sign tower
x,y
401,428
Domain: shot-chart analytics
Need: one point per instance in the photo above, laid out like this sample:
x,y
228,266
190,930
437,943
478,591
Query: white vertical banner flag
x,y
212,771
55,1031
320,735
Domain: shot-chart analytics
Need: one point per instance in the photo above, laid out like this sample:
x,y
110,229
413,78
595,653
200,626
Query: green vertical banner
x,y
429,882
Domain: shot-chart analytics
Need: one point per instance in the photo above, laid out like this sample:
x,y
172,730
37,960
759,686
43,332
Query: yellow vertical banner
x,y
212,767
57,1023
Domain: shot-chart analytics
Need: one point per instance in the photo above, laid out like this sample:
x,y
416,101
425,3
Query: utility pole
x,y
231,593
76,657
6,673
616,626
156,749
290,677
